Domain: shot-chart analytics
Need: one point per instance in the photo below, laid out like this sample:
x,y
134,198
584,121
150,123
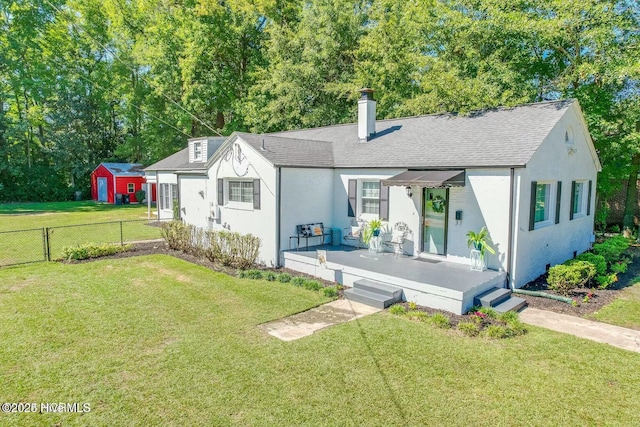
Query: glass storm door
x,y
434,221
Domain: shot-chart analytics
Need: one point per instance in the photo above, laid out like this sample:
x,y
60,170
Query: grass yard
x,y
624,310
157,341
28,246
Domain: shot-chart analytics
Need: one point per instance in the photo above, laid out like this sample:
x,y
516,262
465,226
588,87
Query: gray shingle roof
x,y
124,169
497,137
291,151
180,160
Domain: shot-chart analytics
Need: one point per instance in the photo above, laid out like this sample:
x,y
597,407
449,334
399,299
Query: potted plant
x,y
480,242
372,229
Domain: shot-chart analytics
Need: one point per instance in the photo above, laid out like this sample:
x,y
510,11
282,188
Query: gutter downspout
x,y
278,208
511,222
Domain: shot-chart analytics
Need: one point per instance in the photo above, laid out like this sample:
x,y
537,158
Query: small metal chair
x,y
355,233
398,237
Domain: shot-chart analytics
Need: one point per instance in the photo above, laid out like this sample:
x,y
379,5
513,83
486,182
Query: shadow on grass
x,y
83,206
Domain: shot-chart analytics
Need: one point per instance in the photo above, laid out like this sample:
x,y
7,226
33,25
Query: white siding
x,y
164,177
554,161
484,202
194,207
306,198
244,218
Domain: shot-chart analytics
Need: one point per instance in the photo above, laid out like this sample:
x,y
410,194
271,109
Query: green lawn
x,y
158,341
624,310
27,246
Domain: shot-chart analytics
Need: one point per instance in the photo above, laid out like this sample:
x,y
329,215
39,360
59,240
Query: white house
x,y
527,173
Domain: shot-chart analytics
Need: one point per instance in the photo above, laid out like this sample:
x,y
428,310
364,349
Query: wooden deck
x,y
432,283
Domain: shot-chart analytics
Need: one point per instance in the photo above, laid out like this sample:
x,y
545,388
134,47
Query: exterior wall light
x,y
409,193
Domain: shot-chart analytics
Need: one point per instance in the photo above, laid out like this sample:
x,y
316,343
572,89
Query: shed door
x,y
102,189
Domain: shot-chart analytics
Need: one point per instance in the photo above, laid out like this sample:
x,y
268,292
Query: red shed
x,y
109,179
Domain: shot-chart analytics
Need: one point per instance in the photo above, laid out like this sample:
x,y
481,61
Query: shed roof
x,y
124,169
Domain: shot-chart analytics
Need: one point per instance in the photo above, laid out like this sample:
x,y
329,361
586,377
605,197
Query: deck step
x,y
492,297
511,304
370,298
378,288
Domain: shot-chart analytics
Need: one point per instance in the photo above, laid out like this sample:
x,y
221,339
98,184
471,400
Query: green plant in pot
x,y
373,229
480,242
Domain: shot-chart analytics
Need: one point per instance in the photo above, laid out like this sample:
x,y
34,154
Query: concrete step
x,y
492,297
378,288
369,298
511,304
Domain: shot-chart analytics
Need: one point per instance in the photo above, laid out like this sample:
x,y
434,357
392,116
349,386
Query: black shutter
x,y
220,192
589,198
256,194
573,199
532,208
383,213
558,200
353,197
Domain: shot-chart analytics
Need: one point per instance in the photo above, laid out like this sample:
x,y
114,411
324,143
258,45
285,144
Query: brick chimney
x,y
366,115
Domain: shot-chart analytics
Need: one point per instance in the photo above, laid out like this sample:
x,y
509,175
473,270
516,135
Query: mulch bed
x,y
601,297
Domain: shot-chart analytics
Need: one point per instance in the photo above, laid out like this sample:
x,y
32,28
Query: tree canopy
x,y
85,81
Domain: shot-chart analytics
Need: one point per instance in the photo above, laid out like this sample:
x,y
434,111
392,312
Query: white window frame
x,y
131,187
582,208
168,193
362,198
246,193
550,204
197,151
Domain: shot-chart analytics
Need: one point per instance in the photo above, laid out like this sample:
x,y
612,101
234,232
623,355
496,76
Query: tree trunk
x,y
631,200
220,120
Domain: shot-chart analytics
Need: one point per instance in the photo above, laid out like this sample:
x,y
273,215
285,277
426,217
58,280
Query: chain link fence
x,y
46,244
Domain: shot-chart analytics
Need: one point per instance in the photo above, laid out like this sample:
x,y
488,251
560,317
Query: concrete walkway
x,y
306,323
628,339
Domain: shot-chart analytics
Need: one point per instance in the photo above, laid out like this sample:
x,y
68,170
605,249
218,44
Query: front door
x,y
102,189
434,219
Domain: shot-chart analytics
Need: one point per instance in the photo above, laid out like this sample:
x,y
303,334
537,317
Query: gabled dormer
x,y
200,149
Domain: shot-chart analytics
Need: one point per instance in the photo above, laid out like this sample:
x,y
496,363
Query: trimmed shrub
x,y
231,249
284,277
598,261
440,320
176,234
619,267
298,281
469,328
312,285
606,280
397,310
92,250
564,278
330,292
612,249
140,195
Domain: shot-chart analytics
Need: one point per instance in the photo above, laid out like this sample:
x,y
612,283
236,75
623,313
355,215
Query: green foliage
x,y
440,321
253,274
92,250
312,285
496,331
564,278
417,315
470,329
330,292
284,277
612,249
372,226
397,309
298,281
269,276
620,266
606,280
598,261
140,195
480,241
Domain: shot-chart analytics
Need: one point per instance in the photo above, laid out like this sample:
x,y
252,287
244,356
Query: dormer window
x,y
197,151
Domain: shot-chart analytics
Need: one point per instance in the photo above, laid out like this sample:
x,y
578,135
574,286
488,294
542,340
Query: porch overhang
x,y
427,179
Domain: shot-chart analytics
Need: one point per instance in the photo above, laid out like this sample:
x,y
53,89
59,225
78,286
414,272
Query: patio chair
x,y
355,233
398,237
